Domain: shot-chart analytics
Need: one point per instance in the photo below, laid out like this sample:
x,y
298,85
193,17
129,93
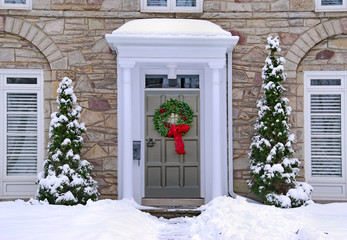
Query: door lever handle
x,y
150,142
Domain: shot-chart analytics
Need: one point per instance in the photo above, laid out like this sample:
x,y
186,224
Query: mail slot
x,y
136,150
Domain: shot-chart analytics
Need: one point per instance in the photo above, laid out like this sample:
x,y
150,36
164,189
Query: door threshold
x,y
173,202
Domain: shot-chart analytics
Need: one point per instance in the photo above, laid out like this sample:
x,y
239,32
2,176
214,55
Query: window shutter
x,y
22,133
185,3
156,3
331,2
326,142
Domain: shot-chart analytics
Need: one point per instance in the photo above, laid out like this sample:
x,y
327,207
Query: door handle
x,y
150,142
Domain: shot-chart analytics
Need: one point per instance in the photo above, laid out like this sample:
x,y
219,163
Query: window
x,y
15,4
325,133
21,129
331,5
182,81
171,5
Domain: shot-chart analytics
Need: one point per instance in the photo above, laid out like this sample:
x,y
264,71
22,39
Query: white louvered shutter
x,y
22,149
326,139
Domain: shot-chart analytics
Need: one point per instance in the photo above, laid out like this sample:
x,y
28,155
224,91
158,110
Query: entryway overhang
x,y
175,45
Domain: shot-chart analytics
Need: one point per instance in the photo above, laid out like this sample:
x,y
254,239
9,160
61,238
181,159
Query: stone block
x,y
212,6
94,24
238,7
325,54
280,5
6,55
112,5
25,29
111,121
54,56
101,46
296,22
260,7
32,33
302,45
344,25
297,51
41,4
54,86
40,36
96,152
59,64
91,117
17,25
337,26
240,186
329,28
54,27
308,40
83,84
44,44
94,2
2,22
9,24
25,53
109,163
131,5
302,5
288,38
97,104
255,23
254,39
95,136
314,35
321,31
76,58
277,23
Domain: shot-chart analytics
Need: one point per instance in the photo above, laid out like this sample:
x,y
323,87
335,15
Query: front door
x,y
167,173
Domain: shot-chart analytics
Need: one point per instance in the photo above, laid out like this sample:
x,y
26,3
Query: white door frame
x,y
199,44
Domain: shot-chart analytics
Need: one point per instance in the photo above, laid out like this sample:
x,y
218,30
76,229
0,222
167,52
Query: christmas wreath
x,y
173,118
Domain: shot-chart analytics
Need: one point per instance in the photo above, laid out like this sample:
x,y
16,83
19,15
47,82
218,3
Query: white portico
x,y
170,48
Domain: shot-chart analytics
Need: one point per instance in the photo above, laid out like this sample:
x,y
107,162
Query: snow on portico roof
x,y
171,28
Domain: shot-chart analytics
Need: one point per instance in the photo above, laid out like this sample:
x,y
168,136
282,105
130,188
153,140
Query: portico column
x,y
216,133
127,141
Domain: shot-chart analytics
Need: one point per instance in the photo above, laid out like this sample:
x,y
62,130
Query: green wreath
x,y
163,113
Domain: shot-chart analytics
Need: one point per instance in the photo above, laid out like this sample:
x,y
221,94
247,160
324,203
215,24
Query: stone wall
x,y
67,37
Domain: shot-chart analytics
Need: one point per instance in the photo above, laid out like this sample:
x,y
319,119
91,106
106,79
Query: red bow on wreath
x,y
176,132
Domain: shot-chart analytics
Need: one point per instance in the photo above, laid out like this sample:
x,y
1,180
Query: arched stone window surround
x,y
39,39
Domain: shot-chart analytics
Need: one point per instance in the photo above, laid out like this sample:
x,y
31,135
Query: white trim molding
x,y
325,107
19,6
330,8
17,177
191,52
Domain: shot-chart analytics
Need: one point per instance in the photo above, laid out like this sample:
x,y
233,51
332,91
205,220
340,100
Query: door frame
x,y
138,116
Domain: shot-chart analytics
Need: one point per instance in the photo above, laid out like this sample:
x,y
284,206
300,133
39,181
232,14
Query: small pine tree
x,y
272,169
66,179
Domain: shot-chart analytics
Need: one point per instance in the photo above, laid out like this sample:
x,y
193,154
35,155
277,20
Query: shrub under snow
x,y
273,171
66,178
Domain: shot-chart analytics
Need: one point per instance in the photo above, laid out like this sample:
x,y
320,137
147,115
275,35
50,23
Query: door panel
x,y
169,174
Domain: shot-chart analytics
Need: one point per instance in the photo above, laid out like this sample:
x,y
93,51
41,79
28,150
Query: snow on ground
x,y
223,219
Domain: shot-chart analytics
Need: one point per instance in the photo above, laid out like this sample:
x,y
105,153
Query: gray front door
x,y
169,174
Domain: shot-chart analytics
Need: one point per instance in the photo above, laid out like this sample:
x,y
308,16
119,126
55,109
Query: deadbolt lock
x,y
150,142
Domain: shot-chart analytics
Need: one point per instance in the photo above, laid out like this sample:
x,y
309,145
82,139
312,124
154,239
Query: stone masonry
x,y
66,38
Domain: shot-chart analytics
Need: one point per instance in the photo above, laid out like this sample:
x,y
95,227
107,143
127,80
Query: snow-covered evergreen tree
x,y
273,171
66,178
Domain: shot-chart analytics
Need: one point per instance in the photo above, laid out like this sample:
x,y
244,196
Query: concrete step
x,y
169,213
